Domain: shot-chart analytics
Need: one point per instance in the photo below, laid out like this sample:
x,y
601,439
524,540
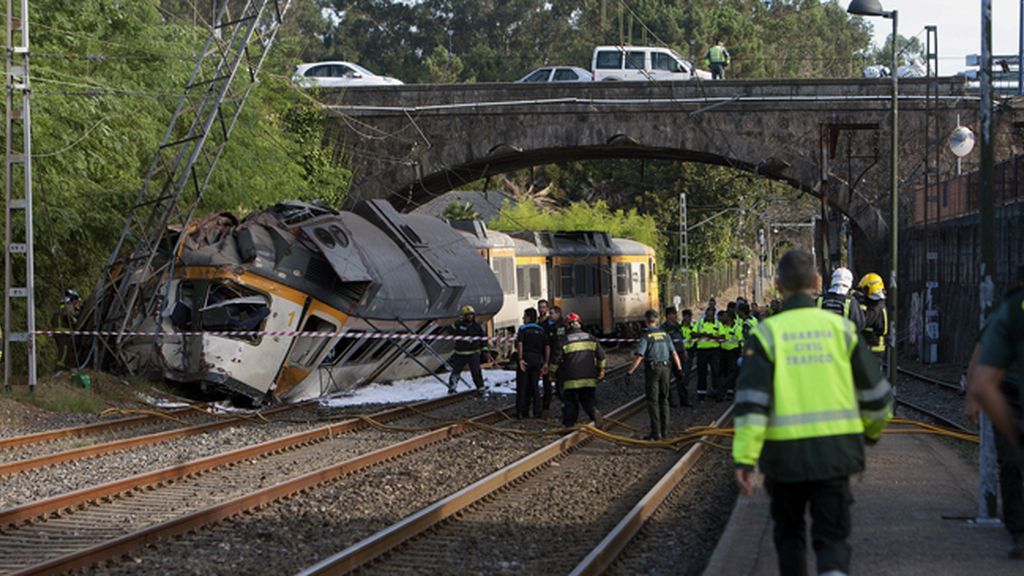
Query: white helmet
x,y
842,281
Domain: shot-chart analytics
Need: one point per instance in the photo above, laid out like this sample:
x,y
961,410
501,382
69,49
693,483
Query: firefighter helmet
x,y
872,286
467,309
573,318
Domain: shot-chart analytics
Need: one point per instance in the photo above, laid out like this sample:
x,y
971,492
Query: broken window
x,y
233,307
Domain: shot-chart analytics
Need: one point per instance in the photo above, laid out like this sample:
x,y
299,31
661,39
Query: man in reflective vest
x,y
690,343
655,351
708,333
582,366
732,334
467,349
718,60
838,299
675,331
809,397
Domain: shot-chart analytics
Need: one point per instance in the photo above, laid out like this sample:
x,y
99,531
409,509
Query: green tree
x,y
443,67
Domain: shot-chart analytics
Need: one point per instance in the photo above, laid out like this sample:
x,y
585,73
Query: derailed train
x,y
297,268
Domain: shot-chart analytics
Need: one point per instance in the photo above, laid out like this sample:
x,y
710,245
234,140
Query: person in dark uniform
x,y
674,330
582,366
467,351
994,377
655,351
66,319
555,329
876,318
729,353
808,399
839,300
534,353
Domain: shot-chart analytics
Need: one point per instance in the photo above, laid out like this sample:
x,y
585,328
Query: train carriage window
x,y
580,277
342,347
234,307
522,283
623,281
535,282
595,280
307,349
567,285
643,278
504,269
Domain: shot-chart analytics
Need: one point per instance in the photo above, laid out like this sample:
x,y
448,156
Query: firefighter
x,y
555,330
809,397
674,330
838,299
533,353
655,351
708,333
876,318
468,348
581,367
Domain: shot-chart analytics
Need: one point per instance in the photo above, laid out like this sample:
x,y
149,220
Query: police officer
x,y
838,299
708,333
582,366
468,348
876,318
809,396
555,330
674,330
732,337
718,59
747,318
996,371
655,351
534,353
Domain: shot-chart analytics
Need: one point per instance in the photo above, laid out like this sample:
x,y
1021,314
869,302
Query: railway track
x,y
537,515
35,451
77,529
929,412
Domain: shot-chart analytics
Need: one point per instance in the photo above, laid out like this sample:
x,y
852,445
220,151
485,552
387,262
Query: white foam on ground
x,y
418,389
161,403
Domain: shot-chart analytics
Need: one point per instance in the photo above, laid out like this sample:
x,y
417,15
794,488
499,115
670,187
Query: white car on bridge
x,y
642,64
557,74
337,74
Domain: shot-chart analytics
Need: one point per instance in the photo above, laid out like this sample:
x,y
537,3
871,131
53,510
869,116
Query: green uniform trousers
x,y
657,378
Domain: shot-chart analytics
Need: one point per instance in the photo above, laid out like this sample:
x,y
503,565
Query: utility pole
x,y
1020,52
684,245
986,290
18,251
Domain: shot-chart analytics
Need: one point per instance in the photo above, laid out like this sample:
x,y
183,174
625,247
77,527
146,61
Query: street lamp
x,y
874,8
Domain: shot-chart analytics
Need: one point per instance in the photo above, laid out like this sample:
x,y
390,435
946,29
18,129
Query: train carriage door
x,y
306,351
607,302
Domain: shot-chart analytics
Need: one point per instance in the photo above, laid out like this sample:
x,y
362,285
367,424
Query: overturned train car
x,y
298,268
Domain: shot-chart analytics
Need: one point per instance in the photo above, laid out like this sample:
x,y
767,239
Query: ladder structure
x,y
19,262
225,72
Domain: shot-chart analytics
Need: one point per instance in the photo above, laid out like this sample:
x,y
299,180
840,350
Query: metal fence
x,y
723,281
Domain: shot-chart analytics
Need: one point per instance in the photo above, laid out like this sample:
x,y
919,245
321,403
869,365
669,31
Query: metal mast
x,y
19,261
193,143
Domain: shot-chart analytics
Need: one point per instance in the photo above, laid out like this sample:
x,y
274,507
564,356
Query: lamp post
x,y
873,8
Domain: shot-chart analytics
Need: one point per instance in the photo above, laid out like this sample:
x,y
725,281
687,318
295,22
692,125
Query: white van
x,y
642,63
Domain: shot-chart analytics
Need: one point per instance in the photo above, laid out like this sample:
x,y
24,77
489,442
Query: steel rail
x,y
83,452
612,546
935,416
85,429
83,496
206,516
929,379
389,538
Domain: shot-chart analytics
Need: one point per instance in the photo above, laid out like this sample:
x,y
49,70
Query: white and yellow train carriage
x,y
299,268
610,282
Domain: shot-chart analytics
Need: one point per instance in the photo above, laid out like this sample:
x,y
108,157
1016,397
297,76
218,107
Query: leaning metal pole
x,y
986,291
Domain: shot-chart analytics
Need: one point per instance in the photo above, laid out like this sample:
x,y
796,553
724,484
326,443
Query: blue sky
x,y
959,23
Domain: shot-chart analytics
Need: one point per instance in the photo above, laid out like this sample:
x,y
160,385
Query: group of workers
x,y
553,357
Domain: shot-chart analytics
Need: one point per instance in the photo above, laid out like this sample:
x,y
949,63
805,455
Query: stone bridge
x,y
830,138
